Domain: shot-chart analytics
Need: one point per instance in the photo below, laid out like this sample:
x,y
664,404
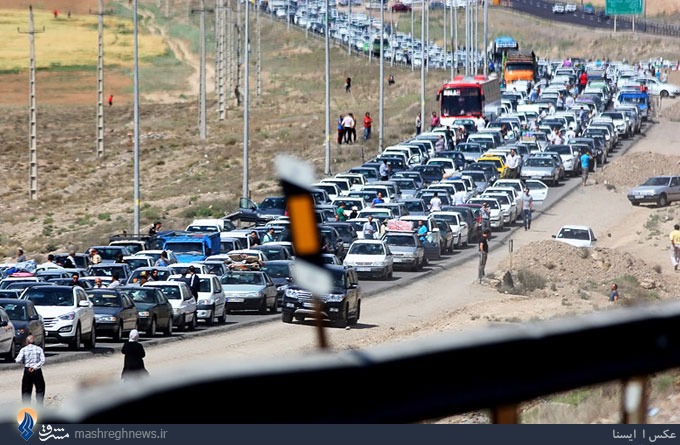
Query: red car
x,y
401,7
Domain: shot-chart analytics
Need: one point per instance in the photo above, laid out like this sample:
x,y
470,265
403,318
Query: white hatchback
x,y
371,258
577,236
184,309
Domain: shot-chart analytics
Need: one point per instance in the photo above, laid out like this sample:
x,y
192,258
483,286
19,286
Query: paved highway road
x,y
58,353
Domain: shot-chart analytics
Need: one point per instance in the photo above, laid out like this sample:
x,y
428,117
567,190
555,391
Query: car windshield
x,y
189,248
15,311
277,270
273,203
101,299
469,148
171,292
657,181
105,271
248,278
134,263
400,240
44,296
451,219
142,295
577,234
415,206
561,149
538,162
366,249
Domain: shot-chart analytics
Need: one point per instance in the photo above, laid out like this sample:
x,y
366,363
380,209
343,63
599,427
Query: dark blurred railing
x,y
495,368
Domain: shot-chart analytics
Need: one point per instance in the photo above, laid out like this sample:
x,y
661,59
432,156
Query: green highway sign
x,y
624,7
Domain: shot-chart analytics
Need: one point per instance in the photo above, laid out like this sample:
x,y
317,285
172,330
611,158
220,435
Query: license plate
x,y
639,196
236,300
363,269
311,305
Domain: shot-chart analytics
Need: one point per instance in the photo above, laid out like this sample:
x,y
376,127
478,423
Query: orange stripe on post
x,y
303,225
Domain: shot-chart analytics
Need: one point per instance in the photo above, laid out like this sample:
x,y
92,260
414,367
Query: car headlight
x,y
282,288
107,318
20,332
409,255
176,310
144,313
205,301
334,298
252,294
70,316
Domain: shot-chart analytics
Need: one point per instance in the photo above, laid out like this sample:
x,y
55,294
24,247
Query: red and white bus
x,y
468,97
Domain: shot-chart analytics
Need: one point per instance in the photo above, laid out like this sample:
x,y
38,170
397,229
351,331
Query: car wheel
x,y
91,342
287,317
222,318
663,200
635,203
263,306
168,329
151,331
275,308
343,321
390,274
11,354
300,318
117,333
194,321
211,320
664,93
353,320
75,343
182,323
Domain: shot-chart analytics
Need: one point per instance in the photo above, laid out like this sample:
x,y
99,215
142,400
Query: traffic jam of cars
x,y
414,205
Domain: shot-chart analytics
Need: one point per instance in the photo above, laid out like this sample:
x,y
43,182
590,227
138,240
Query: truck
x,y
519,65
191,246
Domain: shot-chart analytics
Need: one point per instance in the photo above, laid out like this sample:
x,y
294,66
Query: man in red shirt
x,y
582,82
368,122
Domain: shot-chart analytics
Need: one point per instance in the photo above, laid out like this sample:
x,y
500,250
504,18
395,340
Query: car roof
x,y
571,226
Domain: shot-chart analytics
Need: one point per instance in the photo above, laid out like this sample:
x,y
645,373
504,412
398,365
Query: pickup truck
x,y
270,208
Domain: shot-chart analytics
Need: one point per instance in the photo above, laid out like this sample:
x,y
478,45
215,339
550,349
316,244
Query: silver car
x,y
660,190
408,251
541,167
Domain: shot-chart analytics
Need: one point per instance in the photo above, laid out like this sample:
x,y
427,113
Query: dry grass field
x,y
81,198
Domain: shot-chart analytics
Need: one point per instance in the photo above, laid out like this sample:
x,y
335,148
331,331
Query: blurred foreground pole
x,y
246,39
309,272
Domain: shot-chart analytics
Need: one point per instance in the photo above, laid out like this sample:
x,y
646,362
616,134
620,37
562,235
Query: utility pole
x,y
454,44
237,88
32,123
258,89
427,35
100,79
230,48
382,77
136,119
220,57
445,36
349,27
413,52
486,38
246,40
202,106
327,63
422,63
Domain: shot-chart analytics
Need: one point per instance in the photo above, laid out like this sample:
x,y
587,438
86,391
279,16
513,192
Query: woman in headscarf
x,y
134,357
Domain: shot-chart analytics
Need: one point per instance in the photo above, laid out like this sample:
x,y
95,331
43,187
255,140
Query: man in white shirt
x,y
512,164
435,203
347,125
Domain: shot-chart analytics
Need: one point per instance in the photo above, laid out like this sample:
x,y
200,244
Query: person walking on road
x,y
527,208
133,365
32,357
614,294
434,121
512,164
435,203
369,228
419,124
384,171
483,255
675,246
486,218
586,159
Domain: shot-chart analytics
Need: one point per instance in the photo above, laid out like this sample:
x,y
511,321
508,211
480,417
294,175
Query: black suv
x,y
342,306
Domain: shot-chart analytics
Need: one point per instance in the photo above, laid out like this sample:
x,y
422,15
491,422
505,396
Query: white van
x,y
206,225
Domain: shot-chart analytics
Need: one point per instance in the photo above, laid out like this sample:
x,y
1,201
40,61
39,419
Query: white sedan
x,y
371,258
570,7
558,8
577,236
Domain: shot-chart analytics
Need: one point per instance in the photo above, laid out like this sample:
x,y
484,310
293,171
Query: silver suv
x,y
67,313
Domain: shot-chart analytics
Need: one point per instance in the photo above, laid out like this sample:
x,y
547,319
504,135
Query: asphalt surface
x,y
59,353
